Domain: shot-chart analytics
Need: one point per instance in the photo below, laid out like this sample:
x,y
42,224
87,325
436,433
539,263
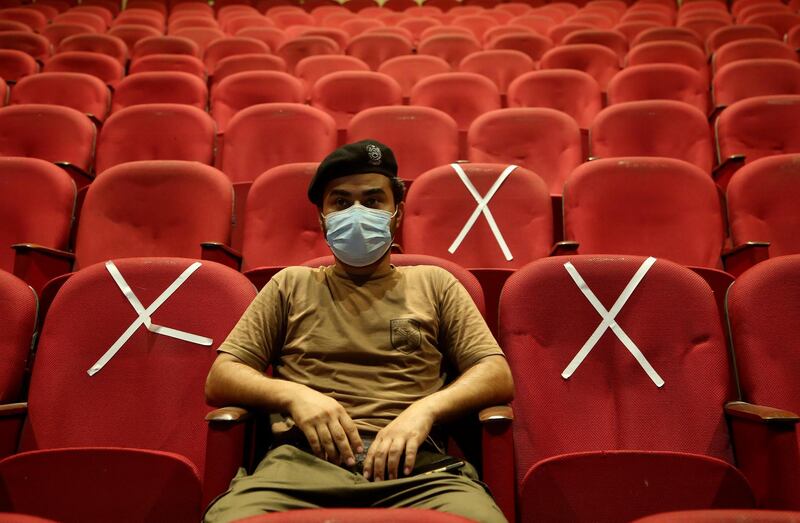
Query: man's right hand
x,y
328,428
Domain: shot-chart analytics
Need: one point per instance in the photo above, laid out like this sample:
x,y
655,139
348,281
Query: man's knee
x,y
476,508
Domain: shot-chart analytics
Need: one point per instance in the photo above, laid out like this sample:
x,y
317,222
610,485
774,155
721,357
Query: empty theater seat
x,y
173,87
755,77
82,92
672,52
86,430
572,92
409,70
752,48
659,82
374,49
312,68
169,62
18,322
96,43
104,67
502,66
598,61
666,128
15,64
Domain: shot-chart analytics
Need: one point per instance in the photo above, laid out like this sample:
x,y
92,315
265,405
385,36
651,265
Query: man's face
x,y
370,190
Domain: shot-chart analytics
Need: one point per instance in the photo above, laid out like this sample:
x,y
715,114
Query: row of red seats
x,y
129,437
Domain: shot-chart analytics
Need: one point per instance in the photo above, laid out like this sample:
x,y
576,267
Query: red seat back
x,y
247,62
502,66
732,33
464,96
533,45
156,132
659,82
671,52
755,77
409,70
48,132
16,64
572,92
760,126
295,49
169,62
665,128
172,87
344,94
82,92
614,40
100,65
241,90
18,309
645,206
452,48
609,402
97,43
59,32
312,68
153,208
37,46
132,33
598,61
281,226
749,48
439,205
546,141
375,49
296,133
762,201
231,46
420,137
165,45
202,36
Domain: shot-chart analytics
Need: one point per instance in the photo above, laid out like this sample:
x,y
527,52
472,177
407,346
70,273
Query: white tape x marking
x,y
609,322
482,207
144,315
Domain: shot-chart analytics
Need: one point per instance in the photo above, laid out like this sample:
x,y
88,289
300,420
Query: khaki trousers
x,y
290,479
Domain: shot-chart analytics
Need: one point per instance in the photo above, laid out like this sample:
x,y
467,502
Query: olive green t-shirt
x,y
375,346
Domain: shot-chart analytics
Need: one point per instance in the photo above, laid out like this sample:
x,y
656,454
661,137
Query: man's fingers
x,y
393,457
379,459
352,434
342,443
327,443
313,441
411,456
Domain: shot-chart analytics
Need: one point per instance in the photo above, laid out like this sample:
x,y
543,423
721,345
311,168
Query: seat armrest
x,y
564,248
12,417
766,449
36,264
229,446
221,253
723,172
744,256
81,177
498,456
260,276
715,112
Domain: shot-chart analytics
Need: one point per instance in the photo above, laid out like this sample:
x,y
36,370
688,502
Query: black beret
x,y
366,156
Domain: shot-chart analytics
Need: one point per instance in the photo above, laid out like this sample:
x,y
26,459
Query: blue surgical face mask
x,y
359,236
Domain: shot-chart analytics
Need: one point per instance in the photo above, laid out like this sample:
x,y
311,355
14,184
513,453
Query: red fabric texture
x,y
169,62
52,133
673,52
58,32
667,33
645,206
8,517
241,90
756,77
100,65
703,27
452,48
82,92
750,48
420,137
36,206
247,62
296,133
572,92
158,131
229,46
312,68
408,70
598,61
29,17
295,49
665,128
501,66
18,308
464,96
159,208
763,305
281,226
161,87
609,403
15,64
438,206
89,485
546,141
342,94
780,22
365,515
606,487
272,36
723,35
762,203
89,19
150,395
723,516
612,39
659,82
202,36
37,46
466,279
374,49
532,44
97,43
759,126
164,45
477,24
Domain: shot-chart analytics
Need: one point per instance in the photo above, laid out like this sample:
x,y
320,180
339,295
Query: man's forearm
x,y
231,382
486,383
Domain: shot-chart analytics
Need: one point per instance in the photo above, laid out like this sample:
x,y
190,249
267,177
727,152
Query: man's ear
x,y
401,209
321,221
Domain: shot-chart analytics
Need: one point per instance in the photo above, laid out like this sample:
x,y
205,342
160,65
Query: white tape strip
x,y
482,207
144,315
609,322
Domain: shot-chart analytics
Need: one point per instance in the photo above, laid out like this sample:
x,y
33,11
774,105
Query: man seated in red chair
x,y
357,350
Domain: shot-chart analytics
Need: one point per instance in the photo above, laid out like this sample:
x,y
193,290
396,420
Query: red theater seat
x,y
659,82
247,62
18,306
85,93
755,77
408,70
572,92
57,33
733,33
169,62
241,90
502,66
16,64
294,50
231,46
452,48
104,67
670,52
35,45
750,48
312,68
374,49
598,61
160,87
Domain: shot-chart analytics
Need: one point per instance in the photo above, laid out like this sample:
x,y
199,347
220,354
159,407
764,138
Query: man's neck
x,y
379,268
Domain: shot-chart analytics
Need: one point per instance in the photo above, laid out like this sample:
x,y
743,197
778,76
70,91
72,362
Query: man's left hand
x,y
404,434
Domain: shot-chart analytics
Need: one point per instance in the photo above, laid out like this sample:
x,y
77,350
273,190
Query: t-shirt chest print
x,y
405,334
